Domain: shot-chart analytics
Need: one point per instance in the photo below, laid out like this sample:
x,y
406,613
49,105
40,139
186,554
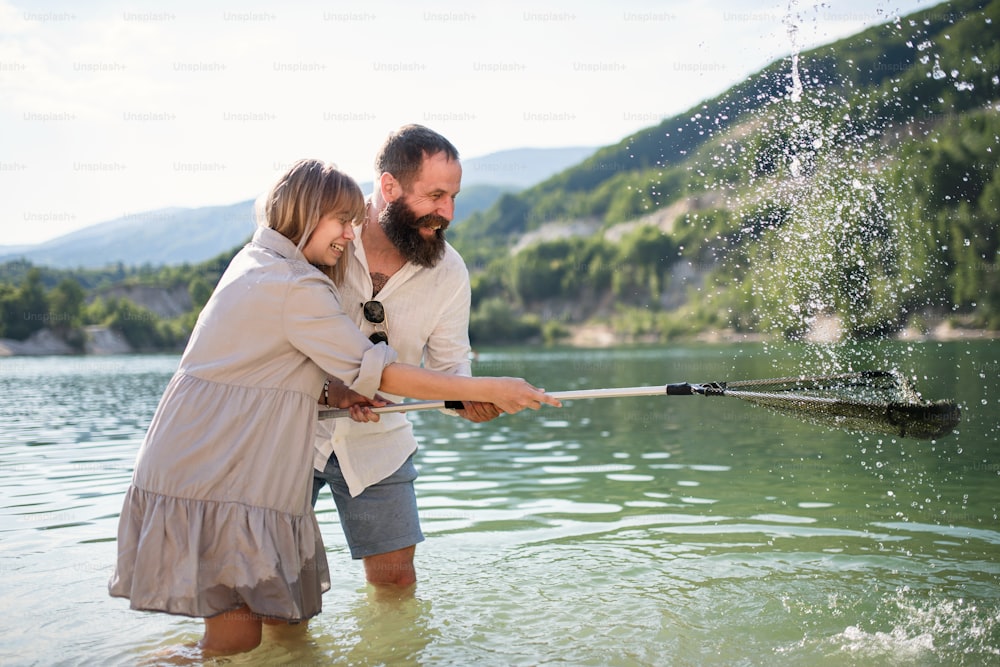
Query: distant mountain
x,y
168,236
521,167
172,236
475,198
485,179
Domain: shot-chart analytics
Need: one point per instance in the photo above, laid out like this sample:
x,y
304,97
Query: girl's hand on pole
x,y
516,394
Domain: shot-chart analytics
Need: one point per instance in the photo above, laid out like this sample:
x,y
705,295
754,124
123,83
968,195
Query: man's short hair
x,y
404,150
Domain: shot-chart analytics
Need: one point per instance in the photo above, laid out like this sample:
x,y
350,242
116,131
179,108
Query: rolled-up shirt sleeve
x,y
318,327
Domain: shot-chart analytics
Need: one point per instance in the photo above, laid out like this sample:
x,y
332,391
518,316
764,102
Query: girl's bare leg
x,y
279,630
234,631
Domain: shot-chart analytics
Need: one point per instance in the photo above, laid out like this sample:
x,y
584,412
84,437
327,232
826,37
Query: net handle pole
x,y
681,389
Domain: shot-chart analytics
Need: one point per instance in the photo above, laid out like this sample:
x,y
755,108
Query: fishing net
x,y
870,401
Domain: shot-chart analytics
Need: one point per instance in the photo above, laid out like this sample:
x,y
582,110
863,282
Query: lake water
x,y
633,531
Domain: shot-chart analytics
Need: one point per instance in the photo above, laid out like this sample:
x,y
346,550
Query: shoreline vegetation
x,y
827,331
104,341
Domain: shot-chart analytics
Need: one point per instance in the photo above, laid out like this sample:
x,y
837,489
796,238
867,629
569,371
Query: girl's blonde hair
x,y
305,193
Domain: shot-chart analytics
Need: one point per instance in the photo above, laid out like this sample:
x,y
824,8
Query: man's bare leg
x,y
394,567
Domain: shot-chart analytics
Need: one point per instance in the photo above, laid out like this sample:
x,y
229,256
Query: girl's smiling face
x,y
329,240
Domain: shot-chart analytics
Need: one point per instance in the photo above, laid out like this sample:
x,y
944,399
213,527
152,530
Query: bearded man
x,y
408,288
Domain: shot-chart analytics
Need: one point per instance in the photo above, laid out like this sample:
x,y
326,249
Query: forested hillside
x,y
66,302
857,180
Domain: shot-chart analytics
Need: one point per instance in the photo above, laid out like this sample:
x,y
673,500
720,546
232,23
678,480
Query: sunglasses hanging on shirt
x,y
375,313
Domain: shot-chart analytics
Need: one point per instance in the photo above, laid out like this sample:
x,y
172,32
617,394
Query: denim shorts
x,y
382,518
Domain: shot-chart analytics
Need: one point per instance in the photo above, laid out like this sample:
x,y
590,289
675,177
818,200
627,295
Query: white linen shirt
x,y
427,321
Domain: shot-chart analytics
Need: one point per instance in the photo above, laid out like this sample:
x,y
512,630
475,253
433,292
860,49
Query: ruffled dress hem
x,y
201,558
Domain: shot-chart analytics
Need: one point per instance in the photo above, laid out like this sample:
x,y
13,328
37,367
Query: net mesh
x,y
870,401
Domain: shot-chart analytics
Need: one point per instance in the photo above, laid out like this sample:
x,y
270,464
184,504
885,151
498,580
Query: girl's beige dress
x,y
219,511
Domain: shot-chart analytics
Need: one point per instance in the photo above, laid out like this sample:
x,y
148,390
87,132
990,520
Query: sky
x,y
112,109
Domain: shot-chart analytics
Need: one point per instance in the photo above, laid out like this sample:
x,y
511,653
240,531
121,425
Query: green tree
x,y
536,273
200,290
139,326
66,304
495,321
25,310
8,298
645,256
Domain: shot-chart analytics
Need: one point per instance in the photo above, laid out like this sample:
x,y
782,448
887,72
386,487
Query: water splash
x,y
831,243
925,627
905,626
791,21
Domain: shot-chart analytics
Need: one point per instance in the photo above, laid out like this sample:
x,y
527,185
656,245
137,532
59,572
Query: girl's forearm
x,y
415,382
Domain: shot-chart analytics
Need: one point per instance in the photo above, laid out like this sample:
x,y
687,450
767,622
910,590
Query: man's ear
x,y
391,188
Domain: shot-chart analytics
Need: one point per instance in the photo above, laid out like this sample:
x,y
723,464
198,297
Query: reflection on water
x,y
637,531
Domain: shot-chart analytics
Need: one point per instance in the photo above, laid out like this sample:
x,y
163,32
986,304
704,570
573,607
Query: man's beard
x,y
402,226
